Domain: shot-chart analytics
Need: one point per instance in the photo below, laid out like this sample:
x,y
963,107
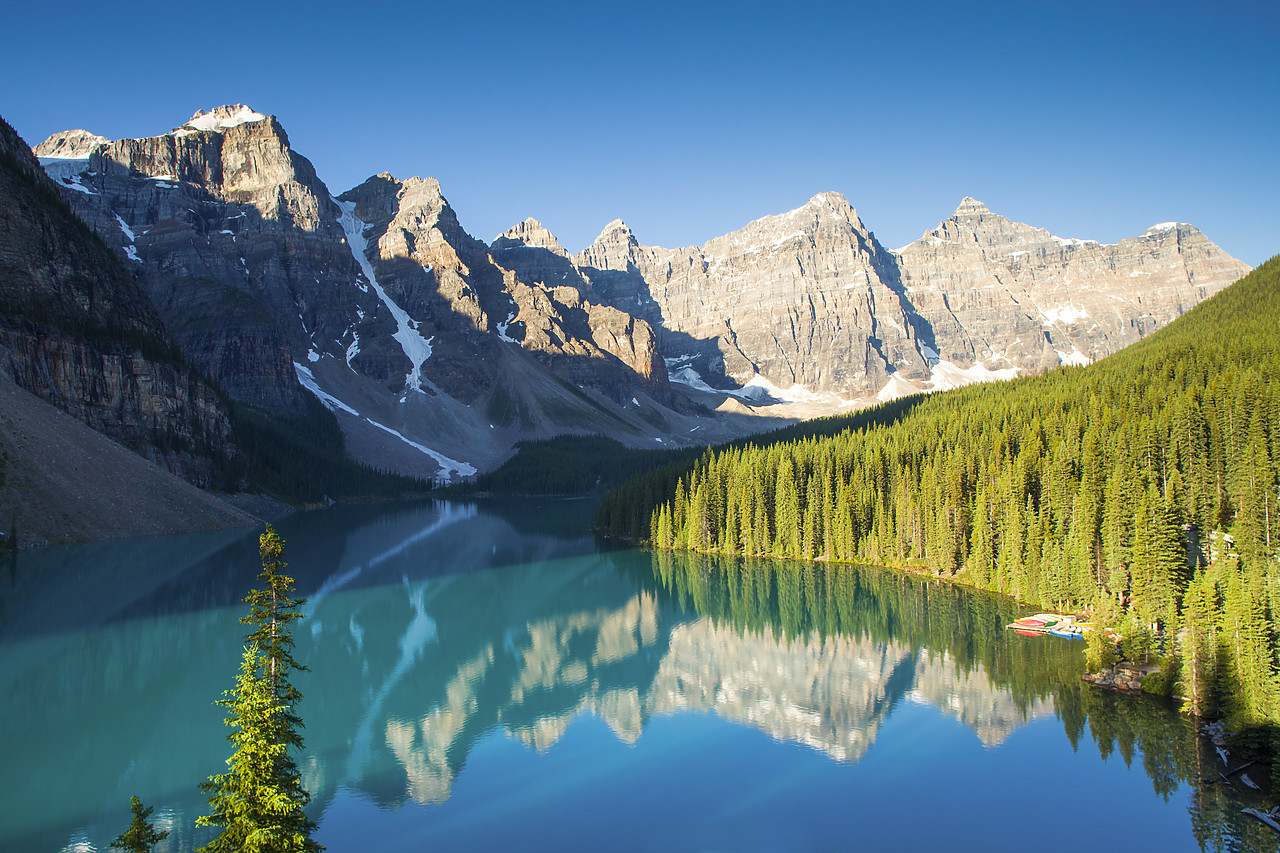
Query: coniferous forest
x,y
1141,489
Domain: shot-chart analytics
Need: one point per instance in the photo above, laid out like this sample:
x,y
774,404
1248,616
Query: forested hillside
x,y
1143,487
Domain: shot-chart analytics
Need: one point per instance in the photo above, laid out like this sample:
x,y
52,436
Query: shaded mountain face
x,y
438,351
233,237
435,356
78,332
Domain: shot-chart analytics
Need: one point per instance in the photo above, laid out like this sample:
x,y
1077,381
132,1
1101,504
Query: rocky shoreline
x,y
1124,677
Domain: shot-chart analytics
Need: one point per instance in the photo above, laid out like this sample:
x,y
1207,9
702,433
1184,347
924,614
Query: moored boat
x,y
1030,626
1069,629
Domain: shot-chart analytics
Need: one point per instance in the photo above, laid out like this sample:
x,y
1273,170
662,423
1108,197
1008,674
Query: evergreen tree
x,y
1198,648
258,804
140,835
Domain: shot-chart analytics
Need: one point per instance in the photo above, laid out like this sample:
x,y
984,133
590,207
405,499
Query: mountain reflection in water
x,y
435,625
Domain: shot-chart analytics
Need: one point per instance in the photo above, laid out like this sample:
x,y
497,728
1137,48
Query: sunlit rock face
x,y
805,298
1003,293
811,298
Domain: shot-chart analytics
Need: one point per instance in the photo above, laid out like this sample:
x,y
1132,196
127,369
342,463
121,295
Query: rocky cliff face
x,y
76,330
810,298
1005,294
438,351
557,320
235,240
807,298
377,301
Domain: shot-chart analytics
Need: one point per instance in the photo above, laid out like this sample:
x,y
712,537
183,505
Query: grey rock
x,y
70,145
434,347
811,298
76,331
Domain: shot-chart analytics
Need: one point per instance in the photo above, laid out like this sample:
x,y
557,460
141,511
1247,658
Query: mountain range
x,y
437,351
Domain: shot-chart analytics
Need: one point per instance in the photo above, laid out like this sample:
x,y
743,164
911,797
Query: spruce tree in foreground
x,y
140,835
258,803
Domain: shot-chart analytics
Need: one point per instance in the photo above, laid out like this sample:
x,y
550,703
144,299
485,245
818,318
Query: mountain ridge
x,y
430,344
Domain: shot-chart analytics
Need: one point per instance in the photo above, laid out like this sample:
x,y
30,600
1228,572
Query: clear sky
x,y
689,119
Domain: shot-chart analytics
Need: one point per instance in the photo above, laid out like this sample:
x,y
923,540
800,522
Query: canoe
x,y
1034,625
1069,631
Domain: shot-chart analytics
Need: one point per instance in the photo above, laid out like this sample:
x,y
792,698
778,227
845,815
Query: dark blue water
x,y
486,677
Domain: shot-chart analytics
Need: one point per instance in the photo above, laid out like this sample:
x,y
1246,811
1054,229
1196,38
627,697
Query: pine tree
x,y
140,835
1199,647
258,803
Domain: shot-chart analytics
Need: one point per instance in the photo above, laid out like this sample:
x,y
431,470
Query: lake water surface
x,y
485,676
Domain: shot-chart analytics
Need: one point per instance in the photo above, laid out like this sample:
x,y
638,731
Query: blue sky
x,y
687,120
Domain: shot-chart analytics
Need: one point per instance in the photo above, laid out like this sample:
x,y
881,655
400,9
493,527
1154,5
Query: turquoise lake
x,y
487,676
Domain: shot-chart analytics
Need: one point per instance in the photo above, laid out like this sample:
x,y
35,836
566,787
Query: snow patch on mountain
x,y
1074,358
222,118
681,371
758,389
945,375
896,387
502,329
61,168
308,380
416,348
73,182
448,466
1064,314
125,229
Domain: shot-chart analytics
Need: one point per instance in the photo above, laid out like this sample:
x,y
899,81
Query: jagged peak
x,y
220,118
383,196
530,232
829,199
428,186
70,145
615,229
383,183
1170,226
970,206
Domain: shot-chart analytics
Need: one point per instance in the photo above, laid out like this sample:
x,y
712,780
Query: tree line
x,y
1142,488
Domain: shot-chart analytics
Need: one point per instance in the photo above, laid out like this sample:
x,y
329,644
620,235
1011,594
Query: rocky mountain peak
x,y
974,223
424,187
831,204
531,233
422,191
418,201
70,145
614,249
615,230
970,206
220,118
830,200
